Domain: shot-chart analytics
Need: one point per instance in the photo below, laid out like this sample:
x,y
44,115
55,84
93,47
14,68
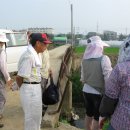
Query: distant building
x,y
41,30
83,42
110,35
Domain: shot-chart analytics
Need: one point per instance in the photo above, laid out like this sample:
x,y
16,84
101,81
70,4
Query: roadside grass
x,y
108,50
111,50
79,49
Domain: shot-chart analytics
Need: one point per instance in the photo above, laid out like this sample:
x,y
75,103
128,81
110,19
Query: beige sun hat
x,y
3,37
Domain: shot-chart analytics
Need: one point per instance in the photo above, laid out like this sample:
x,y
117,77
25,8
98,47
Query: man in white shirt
x,y
29,81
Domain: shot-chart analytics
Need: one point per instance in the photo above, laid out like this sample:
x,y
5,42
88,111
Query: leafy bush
x,y
77,86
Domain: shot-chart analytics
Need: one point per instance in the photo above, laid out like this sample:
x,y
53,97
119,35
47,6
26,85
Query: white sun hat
x,y
94,48
98,40
3,37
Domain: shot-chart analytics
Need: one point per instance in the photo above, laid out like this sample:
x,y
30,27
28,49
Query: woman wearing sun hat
x,y
4,75
95,70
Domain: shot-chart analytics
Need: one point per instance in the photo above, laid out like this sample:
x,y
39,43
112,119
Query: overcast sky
x,y
113,15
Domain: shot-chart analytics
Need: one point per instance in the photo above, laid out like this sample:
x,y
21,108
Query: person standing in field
x,y
29,81
95,70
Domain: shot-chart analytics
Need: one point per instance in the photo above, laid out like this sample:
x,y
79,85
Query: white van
x,y
14,48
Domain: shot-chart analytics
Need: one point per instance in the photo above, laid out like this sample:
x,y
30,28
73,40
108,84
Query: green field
x,y
109,50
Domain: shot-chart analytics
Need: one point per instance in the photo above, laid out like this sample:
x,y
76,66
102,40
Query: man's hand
x,y
10,82
19,80
102,121
50,72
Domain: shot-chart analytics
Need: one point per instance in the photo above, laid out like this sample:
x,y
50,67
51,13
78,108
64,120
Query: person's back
x,y
93,73
95,69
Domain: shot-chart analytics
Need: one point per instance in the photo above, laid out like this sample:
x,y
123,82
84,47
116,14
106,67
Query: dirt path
x,y
13,114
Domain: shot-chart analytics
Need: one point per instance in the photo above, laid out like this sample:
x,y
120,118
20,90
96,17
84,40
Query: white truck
x,y
17,44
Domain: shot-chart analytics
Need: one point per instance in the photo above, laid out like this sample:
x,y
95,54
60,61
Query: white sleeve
x,y
106,67
82,77
3,66
25,67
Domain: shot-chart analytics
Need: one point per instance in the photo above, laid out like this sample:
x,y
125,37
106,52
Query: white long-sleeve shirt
x,y
106,68
3,66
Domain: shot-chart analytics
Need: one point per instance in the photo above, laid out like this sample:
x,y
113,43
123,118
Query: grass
x,y
79,49
105,127
111,50
108,50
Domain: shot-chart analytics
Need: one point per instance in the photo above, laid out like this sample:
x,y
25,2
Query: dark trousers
x,y
92,103
43,85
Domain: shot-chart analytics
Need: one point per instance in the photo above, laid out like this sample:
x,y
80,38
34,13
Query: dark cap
x,y
42,37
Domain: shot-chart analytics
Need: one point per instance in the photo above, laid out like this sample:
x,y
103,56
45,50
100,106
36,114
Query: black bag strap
x,y
51,79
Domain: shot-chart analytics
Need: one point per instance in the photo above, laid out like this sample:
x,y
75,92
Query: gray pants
x,y
2,97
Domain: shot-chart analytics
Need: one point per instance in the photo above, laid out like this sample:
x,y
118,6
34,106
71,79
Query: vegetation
x,y
79,49
108,50
104,36
77,87
111,50
105,127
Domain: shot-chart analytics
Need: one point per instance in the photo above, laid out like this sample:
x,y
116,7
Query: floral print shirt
x,y
118,86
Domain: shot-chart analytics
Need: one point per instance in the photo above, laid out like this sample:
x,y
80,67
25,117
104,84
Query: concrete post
x,y
67,104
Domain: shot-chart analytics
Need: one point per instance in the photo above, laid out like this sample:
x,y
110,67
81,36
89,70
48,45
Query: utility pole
x,y
72,29
97,27
126,31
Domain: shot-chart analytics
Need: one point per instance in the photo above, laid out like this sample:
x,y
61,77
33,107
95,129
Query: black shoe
x,y
1,125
